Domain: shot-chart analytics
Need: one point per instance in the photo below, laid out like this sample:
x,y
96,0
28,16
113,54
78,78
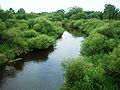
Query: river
x,y
41,69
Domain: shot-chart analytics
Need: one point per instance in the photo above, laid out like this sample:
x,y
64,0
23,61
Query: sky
x,y
54,5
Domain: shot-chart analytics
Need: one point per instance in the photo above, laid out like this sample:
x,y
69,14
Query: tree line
x,y
110,12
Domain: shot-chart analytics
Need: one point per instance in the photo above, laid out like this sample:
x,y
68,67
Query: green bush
x,y
20,24
45,26
41,42
8,50
73,24
11,23
10,34
97,43
21,16
82,75
31,23
85,26
29,34
91,24
23,39
93,44
2,26
113,60
111,30
99,66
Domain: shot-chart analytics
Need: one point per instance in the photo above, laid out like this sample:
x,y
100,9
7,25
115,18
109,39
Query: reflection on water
x,y
37,55
41,69
76,34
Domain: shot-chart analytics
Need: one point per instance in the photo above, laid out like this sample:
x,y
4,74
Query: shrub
x,y
99,66
8,50
91,24
82,75
11,23
29,34
93,44
31,23
2,26
44,26
41,42
111,30
114,60
10,35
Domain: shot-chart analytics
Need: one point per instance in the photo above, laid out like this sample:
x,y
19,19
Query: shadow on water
x,y
6,71
35,55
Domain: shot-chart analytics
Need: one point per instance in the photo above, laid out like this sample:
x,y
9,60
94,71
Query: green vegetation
x,y
22,32
98,67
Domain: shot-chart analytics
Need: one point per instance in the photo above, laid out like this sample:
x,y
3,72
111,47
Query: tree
x,y
11,10
21,11
57,16
97,15
74,11
8,14
4,15
110,12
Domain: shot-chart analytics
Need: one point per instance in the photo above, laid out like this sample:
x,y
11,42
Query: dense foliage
x,y
23,32
98,67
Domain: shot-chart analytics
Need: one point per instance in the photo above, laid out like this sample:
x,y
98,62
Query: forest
x,y
98,66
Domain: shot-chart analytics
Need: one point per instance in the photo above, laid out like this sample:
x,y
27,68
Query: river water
x,y
41,69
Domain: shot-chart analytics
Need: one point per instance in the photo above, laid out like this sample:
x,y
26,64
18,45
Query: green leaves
x,y
21,11
2,26
111,30
29,33
23,35
93,44
110,12
41,42
45,26
99,66
80,74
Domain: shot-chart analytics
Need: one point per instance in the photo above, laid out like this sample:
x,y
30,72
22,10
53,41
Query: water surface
x,y
41,69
